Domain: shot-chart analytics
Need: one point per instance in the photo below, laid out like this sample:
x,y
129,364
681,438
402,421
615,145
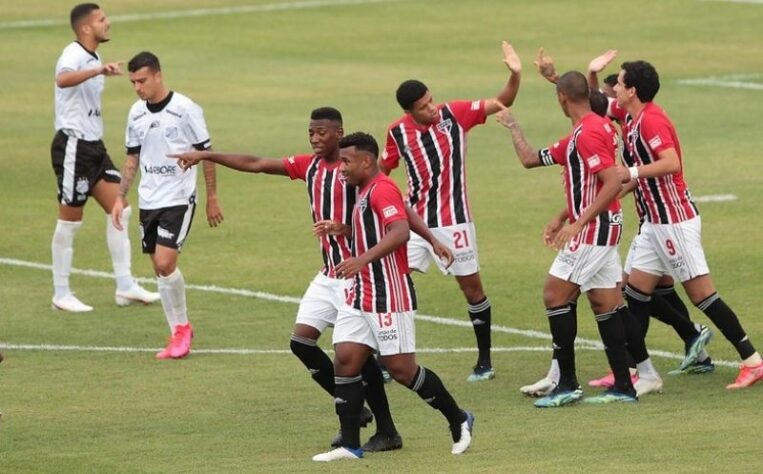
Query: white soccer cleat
x,y
70,303
136,294
645,385
541,388
465,438
339,453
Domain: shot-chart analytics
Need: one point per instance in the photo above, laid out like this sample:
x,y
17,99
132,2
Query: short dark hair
x,y
361,141
79,12
409,92
611,80
326,113
144,59
599,102
643,76
574,85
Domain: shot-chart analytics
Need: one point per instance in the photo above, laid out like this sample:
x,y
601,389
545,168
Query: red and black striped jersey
x,y
590,148
435,161
330,198
383,286
666,199
622,118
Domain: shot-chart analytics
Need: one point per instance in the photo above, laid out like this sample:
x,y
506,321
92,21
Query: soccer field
x,y
83,393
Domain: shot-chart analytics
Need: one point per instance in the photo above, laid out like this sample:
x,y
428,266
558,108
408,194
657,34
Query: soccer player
x,y
670,237
331,201
380,309
587,261
82,166
431,140
163,122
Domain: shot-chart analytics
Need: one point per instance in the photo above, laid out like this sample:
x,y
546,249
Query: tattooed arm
x,y
214,212
129,169
526,154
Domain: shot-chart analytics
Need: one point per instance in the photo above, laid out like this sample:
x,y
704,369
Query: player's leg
x,y
479,309
386,437
71,199
702,293
106,191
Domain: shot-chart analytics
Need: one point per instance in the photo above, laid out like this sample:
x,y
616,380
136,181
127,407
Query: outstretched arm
x,y
509,92
66,79
597,65
236,161
526,154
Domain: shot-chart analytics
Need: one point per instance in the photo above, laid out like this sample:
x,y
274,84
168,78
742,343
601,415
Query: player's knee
x,y
164,268
402,373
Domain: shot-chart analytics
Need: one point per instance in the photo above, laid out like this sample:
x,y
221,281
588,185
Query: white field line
x,y
733,81
579,342
754,2
715,198
199,12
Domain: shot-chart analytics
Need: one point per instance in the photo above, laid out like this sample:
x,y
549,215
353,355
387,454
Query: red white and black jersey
x,y
383,286
621,116
590,148
435,161
665,200
330,198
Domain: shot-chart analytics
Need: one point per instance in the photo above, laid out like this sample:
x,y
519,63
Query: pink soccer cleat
x,y
181,341
747,376
608,381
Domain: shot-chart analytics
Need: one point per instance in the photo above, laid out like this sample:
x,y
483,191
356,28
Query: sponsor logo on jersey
x,y
164,233
655,142
476,105
593,161
389,211
171,133
170,170
617,219
388,335
445,126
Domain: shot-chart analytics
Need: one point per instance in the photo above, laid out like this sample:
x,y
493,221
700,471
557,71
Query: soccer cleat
x,y
747,376
165,353
70,303
339,453
560,397
383,442
181,341
136,294
645,385
366,417
480,373
608,381
612,396
695,347
699,367
462,434
541,388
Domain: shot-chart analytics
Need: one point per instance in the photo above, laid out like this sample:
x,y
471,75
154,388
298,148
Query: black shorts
x,y
78,165
168,226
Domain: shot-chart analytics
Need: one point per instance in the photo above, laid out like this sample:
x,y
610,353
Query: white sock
x,y
646,370
172,291
62,250
553,371
753,361
119,248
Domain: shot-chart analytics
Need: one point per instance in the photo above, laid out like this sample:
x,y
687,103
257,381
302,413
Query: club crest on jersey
x,y
171,133
154,124
363,204
82,186
445,126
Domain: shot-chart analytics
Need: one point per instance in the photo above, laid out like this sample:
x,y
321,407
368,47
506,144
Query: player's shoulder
x,y
302,158
183,102
405,119
76,53
385,184
137,110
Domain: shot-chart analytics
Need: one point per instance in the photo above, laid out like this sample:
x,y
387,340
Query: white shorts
x,y
588,266
461,239
322,301
671,249
628,266
385,333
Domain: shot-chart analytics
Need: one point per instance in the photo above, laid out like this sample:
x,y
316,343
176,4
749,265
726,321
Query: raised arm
x,y
509,92
545,66
597,65
129,170
66,79
526,154
236,161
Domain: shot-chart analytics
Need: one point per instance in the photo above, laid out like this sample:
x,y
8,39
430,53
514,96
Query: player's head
x,y
638,80
572,91
325,130
88,20
599,102
146,76
414,97
608,85
357,154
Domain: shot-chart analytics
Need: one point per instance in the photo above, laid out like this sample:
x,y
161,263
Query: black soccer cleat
x,y
383,442
366,417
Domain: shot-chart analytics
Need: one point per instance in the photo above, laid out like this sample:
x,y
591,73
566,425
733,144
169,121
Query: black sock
x,y
317,362
430,388
562,322
634,337
479,314
725,319
640,306
669,294
348,403
664,311
612,333
376,396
